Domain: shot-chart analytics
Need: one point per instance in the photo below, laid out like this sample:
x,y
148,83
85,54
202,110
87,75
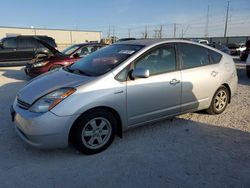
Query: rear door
x,y
199,74
26,48
8,51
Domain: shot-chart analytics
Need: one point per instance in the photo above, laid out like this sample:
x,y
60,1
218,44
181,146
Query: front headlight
x,y
50,100
40,64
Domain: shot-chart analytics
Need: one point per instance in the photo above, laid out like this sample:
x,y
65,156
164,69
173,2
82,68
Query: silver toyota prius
x,y
121,86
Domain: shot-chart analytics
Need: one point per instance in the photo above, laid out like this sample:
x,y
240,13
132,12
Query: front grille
x,y
23,104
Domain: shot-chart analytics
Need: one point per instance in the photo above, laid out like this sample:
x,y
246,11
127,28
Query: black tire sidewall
x,y
80,123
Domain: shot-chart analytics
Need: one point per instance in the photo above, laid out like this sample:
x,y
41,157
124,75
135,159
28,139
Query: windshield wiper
x,y
82,72
77,71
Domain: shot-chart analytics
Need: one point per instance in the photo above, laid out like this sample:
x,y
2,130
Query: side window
x,y
86,50
215,56
26,43
10,43
82,52
159,60
122,76
192,55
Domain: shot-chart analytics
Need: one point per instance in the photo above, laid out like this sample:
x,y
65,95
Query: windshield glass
x,y
105,59
70,49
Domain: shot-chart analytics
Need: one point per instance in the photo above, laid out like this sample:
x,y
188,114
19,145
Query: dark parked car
x,y
221,47
233,48
20,49
244,54
44,62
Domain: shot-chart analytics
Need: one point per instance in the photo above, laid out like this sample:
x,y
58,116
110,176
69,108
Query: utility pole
x,y
207,22
146,32
174,29
129,33
109,32
160,32
225,32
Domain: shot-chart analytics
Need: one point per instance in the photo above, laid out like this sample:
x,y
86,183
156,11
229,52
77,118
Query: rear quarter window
x,y
215,56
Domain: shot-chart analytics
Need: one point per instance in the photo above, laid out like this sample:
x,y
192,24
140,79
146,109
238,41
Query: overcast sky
x,y
130,16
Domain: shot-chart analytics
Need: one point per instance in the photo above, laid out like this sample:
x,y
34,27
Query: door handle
x,y
174,81
214,73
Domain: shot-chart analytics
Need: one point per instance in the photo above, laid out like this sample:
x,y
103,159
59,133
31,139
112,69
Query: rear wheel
x,y
94,132
55,67
219,101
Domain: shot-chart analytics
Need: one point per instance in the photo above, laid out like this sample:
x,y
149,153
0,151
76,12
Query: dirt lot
x,y
193,150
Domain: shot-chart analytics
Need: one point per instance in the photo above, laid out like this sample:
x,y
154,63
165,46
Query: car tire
x,y
219,101
94,132
55,67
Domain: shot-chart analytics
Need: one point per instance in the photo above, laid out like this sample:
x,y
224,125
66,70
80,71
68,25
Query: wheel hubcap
x,y
220,100
96,133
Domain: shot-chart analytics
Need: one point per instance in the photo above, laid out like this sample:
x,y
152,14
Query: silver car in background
x,y
121,86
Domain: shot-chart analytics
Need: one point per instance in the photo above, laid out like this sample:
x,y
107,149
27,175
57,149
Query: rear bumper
x,y
45,130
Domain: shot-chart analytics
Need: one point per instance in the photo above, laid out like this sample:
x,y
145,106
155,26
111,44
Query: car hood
x,y
49,82
46,45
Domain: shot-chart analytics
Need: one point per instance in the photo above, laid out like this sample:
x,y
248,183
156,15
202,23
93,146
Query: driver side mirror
x,y
140,73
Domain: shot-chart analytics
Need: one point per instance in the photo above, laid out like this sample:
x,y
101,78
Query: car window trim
x,y
131,66
207,50
152,49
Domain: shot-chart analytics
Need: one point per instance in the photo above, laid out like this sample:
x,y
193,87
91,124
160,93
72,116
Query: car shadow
x,y
177,152
17,74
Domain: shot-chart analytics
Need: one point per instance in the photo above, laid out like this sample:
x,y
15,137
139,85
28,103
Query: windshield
x,y
70,49
105,59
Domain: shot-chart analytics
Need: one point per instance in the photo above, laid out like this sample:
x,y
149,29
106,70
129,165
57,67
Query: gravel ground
x,y
192,150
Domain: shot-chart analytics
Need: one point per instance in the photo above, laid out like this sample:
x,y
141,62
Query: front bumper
x,y
45,130
35,71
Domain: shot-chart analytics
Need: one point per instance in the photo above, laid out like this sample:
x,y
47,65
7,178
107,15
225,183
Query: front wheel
x,y
219,101
94,131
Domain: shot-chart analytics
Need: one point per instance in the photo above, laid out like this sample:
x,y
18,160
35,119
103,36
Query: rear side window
x,y
215,56
10,43
26,43
192,55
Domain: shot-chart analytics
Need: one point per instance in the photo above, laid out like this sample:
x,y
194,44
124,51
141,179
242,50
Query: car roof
x,y
149,42
88,43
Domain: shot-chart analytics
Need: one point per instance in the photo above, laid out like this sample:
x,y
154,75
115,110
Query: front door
x,y
158,95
